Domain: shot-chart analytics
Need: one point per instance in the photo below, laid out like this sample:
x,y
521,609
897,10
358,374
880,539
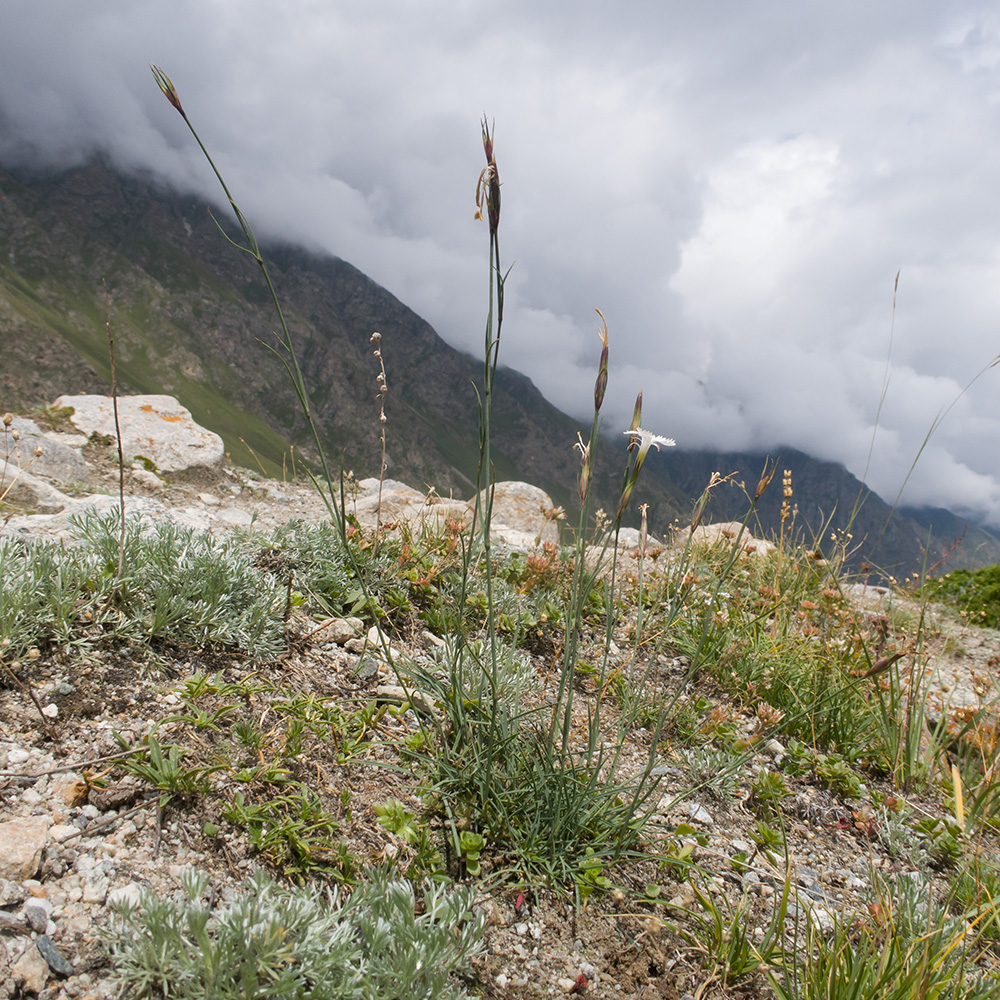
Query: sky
x,y
735,184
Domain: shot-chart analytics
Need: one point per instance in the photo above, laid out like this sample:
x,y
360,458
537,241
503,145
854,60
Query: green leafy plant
x,y
944,840
766,792
162,768
839,776
591,878
294,833
770,842
397,819
470,846
724,936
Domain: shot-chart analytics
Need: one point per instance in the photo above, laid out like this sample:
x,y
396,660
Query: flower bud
x,y
601,385
636,421
169,90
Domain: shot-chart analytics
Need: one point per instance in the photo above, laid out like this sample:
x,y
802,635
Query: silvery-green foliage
x,y
513,677
296,943
187,587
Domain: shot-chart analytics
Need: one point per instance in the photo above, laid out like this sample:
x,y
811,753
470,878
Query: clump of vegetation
x,y
976,593
379,942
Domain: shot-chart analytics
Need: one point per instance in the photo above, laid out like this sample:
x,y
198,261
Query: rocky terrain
x,y
78,832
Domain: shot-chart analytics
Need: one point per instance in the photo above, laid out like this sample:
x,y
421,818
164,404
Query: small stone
x,y
17,756
21,845
398,696
56,961
61,833
11,893
699,814
146,477
501,981
95,892
234,516
367,669
37,913
521,928
130,894
31,970
566,984
11,923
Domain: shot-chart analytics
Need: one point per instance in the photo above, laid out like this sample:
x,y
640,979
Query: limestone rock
x,y
157,428
20,486
21,845
519,516
401,503
729,531
58,461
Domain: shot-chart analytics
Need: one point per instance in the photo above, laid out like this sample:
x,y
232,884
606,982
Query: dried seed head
x,y
765,479
15,434
38,451
8,419
375,337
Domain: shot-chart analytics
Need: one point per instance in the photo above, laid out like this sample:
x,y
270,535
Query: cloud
x,y
735,187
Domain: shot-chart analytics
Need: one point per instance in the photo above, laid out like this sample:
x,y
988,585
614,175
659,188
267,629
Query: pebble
x,y
37,913
699,814
53,957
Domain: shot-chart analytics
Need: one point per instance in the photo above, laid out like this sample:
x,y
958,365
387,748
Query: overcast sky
x,y
735,184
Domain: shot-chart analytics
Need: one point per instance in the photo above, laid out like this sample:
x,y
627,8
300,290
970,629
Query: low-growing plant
x,y
724,936
766,792
379,943
712,771
838,775
294,833
943,838
906,946
162,767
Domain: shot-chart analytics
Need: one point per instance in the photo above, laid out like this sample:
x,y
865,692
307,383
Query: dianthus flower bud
x,y
602,371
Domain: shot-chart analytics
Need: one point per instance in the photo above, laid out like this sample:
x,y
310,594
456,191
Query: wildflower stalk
x,y
488,196
383,388
324,487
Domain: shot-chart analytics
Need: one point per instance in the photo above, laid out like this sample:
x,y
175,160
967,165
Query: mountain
x,y
90,248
